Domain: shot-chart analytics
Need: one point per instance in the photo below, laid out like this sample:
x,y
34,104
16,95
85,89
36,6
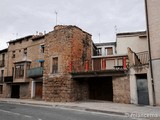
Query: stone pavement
x,y
129,110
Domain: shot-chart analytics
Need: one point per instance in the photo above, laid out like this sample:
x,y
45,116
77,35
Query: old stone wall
x,y
72,46
121,89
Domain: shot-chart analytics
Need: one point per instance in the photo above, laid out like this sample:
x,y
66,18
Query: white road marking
x,y
18,114
27,116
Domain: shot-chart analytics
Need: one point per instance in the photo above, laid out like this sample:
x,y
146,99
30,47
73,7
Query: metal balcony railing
x,y
35,72
143,57
113,62
99,63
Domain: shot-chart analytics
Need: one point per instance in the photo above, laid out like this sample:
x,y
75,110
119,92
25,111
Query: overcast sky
x,y
19,18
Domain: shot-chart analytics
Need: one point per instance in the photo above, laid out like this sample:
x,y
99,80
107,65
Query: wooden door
x,y
38,90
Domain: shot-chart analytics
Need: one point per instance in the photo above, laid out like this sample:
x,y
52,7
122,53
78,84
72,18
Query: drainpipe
x,y
150,59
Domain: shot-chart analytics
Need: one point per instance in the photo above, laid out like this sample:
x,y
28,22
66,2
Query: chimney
x,y
58,27
40,33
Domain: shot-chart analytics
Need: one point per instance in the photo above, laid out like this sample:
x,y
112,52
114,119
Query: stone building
x,y
62,66
3,67
153,29
67,48
24,54
73,72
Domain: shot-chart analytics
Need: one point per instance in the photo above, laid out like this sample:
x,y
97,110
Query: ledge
x,y
101,73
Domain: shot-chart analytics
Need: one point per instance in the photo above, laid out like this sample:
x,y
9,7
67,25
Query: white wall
x,y
136,43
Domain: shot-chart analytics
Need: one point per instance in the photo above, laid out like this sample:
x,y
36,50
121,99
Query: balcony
x,y
110,62
138,59
2,63
35,72
143,57
111,65
8,79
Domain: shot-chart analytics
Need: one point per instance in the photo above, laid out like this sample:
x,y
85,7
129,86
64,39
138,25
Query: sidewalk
x,y
128,110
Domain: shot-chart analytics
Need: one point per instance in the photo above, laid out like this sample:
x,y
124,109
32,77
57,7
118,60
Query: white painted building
x,y
104,49
135,44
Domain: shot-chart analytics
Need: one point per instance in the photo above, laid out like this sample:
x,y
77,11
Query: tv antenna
x,y
99,35
56,16
115,28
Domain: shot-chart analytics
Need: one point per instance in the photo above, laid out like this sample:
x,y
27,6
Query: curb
x,y
90,110
104,111
65,106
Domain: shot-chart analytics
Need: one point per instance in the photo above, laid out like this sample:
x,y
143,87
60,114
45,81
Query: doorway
x,y
38,90
142,89
15,91
101,88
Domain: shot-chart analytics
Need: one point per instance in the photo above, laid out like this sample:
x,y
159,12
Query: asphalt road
x,y
29,112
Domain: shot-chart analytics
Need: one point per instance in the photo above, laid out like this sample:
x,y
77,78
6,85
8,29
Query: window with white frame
x,y
99,51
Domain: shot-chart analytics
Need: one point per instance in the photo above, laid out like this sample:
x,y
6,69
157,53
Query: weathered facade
x,y
65,65
66,46
23,55
137,49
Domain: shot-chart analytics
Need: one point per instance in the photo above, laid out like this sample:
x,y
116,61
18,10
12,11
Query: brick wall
x,y
68,43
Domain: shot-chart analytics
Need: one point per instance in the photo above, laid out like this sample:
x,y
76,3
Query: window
x,y
12,71
1,76
19,71
13,54
54,65
99,51
109,51
41,64
28,66
2,73
120,62
25,52
1,89
3,57
42,48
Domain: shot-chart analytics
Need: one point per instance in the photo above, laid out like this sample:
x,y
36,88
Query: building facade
x,y
104,49
3,67
153,29
136,44
65,65
23,55
68,48
137,41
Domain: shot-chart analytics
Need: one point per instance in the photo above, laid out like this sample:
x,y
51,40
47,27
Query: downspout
x,y
149,47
